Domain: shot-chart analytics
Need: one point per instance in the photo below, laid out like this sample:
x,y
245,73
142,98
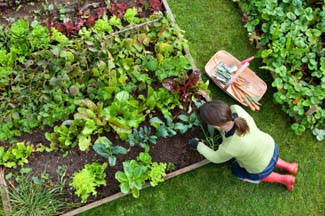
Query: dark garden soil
x,y
174,149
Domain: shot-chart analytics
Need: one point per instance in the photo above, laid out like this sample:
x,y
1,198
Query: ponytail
x,y
241,126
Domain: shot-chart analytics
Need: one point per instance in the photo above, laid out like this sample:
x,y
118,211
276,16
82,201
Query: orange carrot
x,y
237,94
249,103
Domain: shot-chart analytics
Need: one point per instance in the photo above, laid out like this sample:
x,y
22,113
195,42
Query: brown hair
x,y
218,113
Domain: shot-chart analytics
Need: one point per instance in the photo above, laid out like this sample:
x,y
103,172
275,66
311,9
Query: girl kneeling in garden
x,y
255,152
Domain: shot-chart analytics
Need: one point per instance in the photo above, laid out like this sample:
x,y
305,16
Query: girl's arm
x,y
218,156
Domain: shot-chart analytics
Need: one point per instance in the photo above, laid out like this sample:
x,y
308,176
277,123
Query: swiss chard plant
x,y
91,115
187,86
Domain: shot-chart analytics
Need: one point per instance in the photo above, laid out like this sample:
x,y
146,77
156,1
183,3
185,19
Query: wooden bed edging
x,y
170,15
120,194
4,193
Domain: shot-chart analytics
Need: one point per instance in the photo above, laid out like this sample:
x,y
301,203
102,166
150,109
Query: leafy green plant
x,y
64,136
157,173
59,37
136,172
115,21
142,137
170,167
88,179
169,128
163,129
93,119
160,99
123,114
104,147
103,25
188,87
187,122
130,16
16,155
132,178
145,158
39,37
211,137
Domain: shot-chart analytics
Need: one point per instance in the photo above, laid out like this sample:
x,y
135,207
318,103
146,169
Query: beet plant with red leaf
x,y
185,87
118,9
155,5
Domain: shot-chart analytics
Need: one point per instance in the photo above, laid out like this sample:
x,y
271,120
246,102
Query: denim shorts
x,y
242,173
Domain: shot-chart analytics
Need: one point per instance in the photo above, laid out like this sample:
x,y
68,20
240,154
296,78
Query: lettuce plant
x,y
157,173
130,16
136,172
16,155
88,179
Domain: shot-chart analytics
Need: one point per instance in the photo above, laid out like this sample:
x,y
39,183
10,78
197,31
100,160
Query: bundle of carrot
x,y
243,94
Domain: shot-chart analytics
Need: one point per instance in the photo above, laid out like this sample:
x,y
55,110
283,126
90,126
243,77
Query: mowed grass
x,y
212,25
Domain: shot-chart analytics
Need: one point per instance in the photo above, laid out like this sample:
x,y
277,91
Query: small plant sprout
x,y
104,147
187,122
211,137
142,137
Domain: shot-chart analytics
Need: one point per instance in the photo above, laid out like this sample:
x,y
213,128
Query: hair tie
x,y
234,116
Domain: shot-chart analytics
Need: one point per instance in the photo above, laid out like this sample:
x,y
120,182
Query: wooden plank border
x,y
4,193
120,194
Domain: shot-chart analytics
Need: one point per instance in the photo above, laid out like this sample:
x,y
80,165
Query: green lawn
x,y
212,25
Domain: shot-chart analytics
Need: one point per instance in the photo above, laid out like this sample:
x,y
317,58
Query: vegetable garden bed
x,y
83,98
